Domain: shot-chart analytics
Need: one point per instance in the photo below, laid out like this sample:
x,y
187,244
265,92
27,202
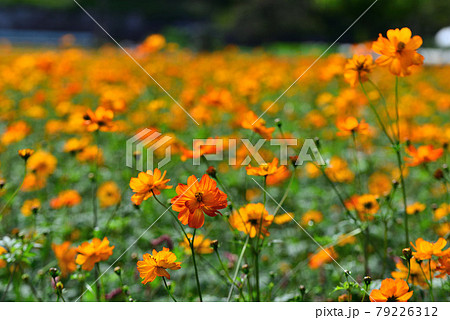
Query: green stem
x,y
94,181
402,182
238,264
9,283
195,266
97,283
168,290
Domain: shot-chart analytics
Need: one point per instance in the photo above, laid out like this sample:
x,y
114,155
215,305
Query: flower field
x,y
81,221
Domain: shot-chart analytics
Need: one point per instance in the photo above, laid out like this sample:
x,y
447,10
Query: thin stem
x,y
257,246
238,264
94,181
355,154
402,182
9,283
430,285
168,290
97,284
195,266
397,117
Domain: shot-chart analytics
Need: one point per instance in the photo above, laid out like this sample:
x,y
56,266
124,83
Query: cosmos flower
x,y
155,265
100,119
423,154
108,194
425,250
30,206
196,199
267,169
65,254
358,69
66,198
253,219
89,253
391,291
147,184
398,51
202,245
350,125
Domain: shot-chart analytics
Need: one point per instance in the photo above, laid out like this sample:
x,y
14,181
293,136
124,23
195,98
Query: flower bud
x,y
302,289
245,268
407,253
215,244
438,174
212,172
54,272
367,280
25,153
118,270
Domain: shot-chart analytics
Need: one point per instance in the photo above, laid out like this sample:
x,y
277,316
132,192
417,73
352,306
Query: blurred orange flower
x,y
42,163
423,154
416,273
350,125
147,184
202,245
89,253
367,206
29,206
322,257
65,254
155,264
253,219
398,51
15,132
415,208
66,198
100,119
259,127
311,217
358,68
108,194
267,169
2,261
196,199
391,291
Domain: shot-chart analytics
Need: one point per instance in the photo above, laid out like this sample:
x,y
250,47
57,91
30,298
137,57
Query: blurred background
x,y
206,24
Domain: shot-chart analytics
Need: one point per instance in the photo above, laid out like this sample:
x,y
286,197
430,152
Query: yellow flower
x,y
283,218
415,208
311,217
30,206
66,257
202,245
253,219
358,68
42,163
147,184
108,194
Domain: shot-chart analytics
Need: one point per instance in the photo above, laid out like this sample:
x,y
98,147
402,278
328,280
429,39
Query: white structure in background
x,y
442,38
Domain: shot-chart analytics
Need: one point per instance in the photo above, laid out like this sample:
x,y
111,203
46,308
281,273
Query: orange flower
x,y
416,275
259,127
147,184
398,51
108,194
283,218
379,184
350,125
423,154
202,245
15,132
311,217
391,291
358,68
66,257
100,119
89,253
152,43
441,212
42,163
338,170
443,266
323,256
415,208
30,206
66,198
252,219
425,250
75,145
367,206
2,261
155,264
196,199
267,169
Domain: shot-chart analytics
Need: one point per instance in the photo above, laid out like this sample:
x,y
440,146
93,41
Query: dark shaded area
x,y
207,24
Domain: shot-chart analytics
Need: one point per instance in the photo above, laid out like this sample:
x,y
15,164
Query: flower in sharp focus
x,y
398,51
147,184
202,245
65,254
253,219
30,206
358,69
66,198
266,169
108,194
100,119
350,125
196,199
415,208
425,250
423,154
155,264
89,253
391,291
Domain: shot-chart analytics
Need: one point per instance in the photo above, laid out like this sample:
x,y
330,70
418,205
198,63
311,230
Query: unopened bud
x,y
302,289
367,280
438,174
212,172
278,122
407,253
118,270
53,272
245,268
215,244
